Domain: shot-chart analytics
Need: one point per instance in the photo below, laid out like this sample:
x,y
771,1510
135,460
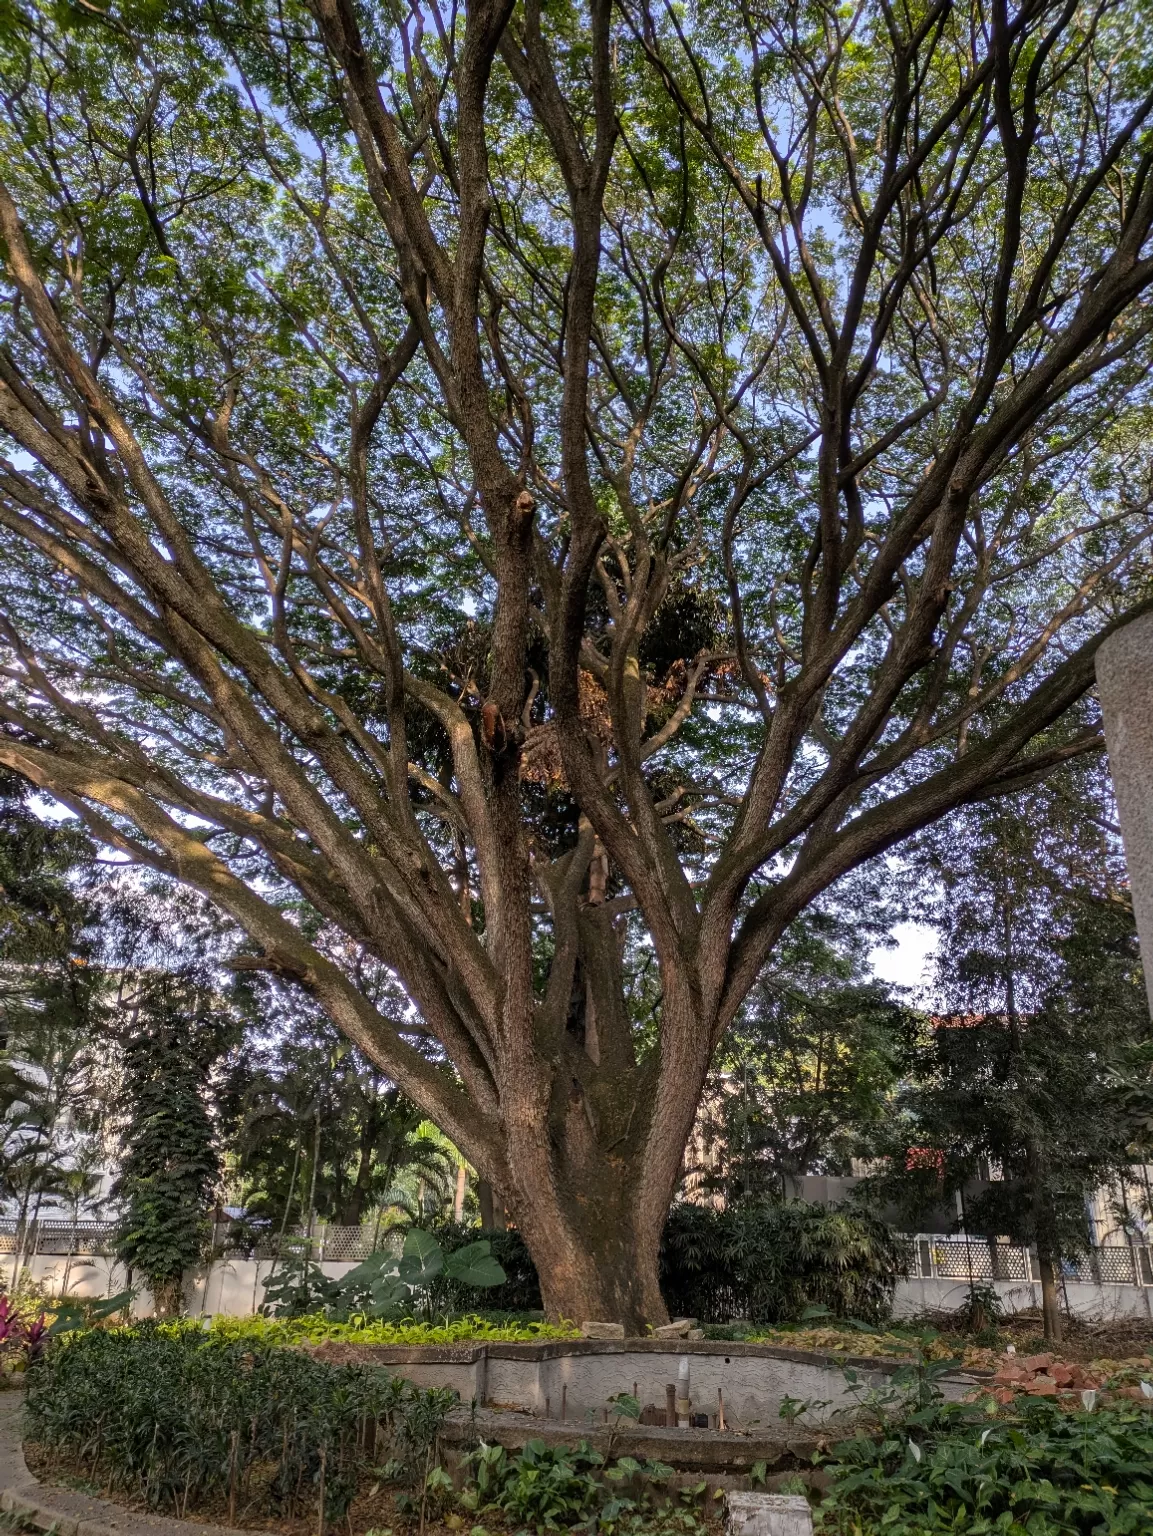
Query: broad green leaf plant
x,y
385,1285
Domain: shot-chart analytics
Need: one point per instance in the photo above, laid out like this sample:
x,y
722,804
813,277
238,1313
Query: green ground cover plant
x,y
318,1329
953,1468
546,1488
180,1418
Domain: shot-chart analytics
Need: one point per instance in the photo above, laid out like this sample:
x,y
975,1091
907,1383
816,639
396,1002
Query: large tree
x,y
522,500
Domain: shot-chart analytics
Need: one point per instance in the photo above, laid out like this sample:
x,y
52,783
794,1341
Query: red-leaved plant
x,y
35,1338
17,1335
11,1325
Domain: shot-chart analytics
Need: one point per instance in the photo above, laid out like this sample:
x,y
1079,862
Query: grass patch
x,y
847,1337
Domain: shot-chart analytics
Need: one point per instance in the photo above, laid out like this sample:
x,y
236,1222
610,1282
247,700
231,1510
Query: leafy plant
x,y
75,1314
383,1285
171,1162
945,1467
981,1312
553,1487
521,1289
22,1334
181,1419
770,1262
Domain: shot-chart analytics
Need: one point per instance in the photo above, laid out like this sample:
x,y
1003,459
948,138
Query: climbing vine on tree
x,y
171,1163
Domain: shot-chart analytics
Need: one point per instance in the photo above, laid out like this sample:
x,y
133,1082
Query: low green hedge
x,y
318,1329
182,1418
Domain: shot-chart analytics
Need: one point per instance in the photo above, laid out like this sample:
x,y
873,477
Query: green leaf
x,y
474,1265
372,1268
421,1259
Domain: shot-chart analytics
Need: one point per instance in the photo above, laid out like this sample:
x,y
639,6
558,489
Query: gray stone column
x,y
1125,686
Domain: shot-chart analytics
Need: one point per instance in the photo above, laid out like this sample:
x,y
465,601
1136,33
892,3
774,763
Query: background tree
x,y
325,1134
522,500
806,1076
1045,1066
51,1012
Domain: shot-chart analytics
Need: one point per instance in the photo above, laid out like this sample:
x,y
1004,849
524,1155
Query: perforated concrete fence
x,y
982,1262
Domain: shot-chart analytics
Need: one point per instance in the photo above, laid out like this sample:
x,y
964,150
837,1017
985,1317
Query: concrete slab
x,y
768,1514
712,1453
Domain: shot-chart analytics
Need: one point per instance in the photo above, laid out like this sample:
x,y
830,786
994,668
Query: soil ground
x,y
1123,1339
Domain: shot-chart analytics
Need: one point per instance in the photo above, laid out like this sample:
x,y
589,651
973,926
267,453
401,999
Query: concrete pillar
x,y
767,1514
1125,687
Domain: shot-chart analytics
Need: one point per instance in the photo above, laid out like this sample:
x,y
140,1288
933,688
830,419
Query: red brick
x,y
1062,1374
1038,1362
1043,1386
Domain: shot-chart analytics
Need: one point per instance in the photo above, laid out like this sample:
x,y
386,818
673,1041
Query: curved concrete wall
x,y
578,1379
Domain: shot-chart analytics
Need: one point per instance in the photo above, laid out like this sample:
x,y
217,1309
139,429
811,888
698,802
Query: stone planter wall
x,y
576,1379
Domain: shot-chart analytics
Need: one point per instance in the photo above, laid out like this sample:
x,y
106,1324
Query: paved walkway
x,y
69,1512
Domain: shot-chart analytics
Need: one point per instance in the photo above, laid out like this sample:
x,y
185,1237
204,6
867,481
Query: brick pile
x,y
1047,1376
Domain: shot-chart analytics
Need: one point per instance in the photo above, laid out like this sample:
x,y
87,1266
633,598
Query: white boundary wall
x,y
1105,1302
234,1288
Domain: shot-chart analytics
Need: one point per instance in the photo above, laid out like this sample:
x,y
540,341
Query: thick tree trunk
x,y
595,1262
594,1138
491,1207
353,1204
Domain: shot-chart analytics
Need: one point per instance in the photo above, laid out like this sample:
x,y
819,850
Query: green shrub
x,y
384,1285
765,1262
318,1329
1041,1472
769,1262
181,1418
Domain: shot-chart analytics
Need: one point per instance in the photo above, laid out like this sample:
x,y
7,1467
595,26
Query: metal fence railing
x,y
56,1237
229,1239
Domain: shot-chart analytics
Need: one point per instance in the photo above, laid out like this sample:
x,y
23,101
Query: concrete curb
x,y
67,1512
722,1456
